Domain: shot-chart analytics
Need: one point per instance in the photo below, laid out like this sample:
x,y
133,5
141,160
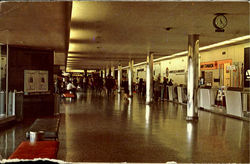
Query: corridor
x,y
96,128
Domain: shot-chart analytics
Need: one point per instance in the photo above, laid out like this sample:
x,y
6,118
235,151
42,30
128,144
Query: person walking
x,y
71,88
125,86
109,85
140,86
164,88
157,88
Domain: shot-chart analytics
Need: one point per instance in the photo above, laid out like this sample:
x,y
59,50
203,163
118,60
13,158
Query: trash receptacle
x,y
10,101
19,106
56,104
2,103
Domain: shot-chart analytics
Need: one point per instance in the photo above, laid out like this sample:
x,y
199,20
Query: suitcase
x,y
68,95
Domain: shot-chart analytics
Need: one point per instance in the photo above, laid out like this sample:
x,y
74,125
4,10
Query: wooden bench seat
x,y
39,149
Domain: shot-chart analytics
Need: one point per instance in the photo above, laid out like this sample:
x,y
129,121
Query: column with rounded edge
x,y
130,78
107,71
119,79
193,77
149,78
112,71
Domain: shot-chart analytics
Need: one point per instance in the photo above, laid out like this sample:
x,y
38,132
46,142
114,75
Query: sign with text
x,y
208,65
181,71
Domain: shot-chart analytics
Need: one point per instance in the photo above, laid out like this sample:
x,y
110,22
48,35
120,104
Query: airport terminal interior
x,y
125,81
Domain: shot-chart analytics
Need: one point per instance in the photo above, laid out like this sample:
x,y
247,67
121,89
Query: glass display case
x,y
7,97
3,67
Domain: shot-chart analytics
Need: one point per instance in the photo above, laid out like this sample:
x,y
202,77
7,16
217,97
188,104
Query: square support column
x,y
119,79
130,78
193,77
149,78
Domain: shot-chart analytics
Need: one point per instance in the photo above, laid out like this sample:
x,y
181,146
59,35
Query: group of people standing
x,y
109,85
96,83
159,89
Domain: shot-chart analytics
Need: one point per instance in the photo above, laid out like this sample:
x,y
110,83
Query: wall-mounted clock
x,y
220,22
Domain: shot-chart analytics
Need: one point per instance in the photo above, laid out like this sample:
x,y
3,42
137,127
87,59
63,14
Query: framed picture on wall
x,y
29,81
42,81
35,81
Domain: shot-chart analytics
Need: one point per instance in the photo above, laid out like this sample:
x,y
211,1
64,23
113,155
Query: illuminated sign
x,y
208,65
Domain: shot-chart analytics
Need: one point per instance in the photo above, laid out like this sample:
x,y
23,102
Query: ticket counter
x,y
182,94
234,101
172,93
207,97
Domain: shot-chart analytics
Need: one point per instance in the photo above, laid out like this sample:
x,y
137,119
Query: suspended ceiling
x,y
104,34
36,24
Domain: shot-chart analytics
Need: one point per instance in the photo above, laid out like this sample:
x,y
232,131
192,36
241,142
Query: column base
x,y
192,118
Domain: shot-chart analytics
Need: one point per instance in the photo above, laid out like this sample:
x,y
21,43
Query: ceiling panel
x,y
36,24
119,31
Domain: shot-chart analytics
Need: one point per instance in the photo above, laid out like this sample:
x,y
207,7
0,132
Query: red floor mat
x,y
41,149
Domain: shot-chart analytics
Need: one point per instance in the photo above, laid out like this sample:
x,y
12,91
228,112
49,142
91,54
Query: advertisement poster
x,y
35,81
42,81
3,67
246,67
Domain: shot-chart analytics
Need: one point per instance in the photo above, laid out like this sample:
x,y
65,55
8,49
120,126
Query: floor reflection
x,y
7,142
116,130
95,128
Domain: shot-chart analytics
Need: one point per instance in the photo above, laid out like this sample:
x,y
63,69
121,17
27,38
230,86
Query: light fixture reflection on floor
x,y
147,115
189,131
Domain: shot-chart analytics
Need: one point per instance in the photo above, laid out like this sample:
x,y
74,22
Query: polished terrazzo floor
x,y
100,129
95,128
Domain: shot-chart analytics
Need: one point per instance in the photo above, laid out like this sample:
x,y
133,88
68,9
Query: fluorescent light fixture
x,y
125,67
74,70
140,63
82,34
171,56
230,41
72,58
71,55
77,47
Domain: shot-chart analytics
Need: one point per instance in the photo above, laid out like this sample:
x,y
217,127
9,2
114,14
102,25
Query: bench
x,y
39,149
49,126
